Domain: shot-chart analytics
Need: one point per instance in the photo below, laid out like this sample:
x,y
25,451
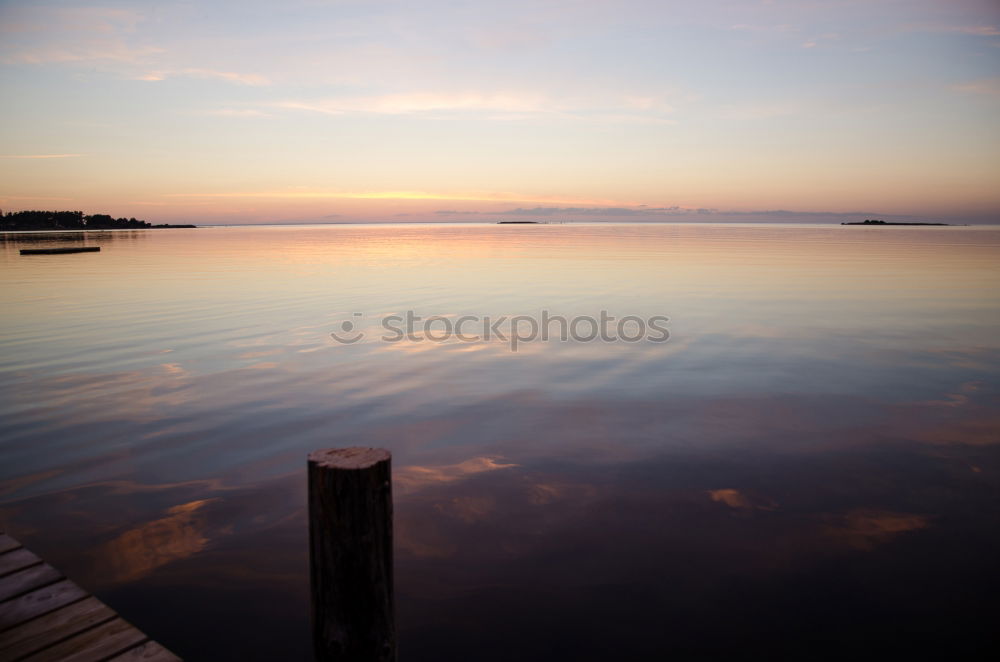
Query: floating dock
x,y
57,251
45,617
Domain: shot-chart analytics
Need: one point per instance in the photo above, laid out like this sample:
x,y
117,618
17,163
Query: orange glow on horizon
x,y
410,195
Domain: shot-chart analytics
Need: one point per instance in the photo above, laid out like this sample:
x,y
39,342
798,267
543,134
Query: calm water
x,y
810,463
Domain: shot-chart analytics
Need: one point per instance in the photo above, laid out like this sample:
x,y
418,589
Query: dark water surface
x,y
809,467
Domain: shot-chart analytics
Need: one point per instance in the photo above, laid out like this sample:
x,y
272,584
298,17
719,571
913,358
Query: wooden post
x,y
350,545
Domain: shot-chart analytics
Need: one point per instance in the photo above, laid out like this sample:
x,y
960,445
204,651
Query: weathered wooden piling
x,y
350,545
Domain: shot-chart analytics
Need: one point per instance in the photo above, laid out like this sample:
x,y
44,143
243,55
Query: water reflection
x,y
811,460
413,478
140,550
740,501
864,529
12,242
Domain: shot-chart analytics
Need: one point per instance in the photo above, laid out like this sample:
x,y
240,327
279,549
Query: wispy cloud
x,y
87,20
39,156
91,51
113,39
747,27
758,111
41,35
101,20
981,30
401,104
988,86
21,198
787,34
249,113
505,106
231,76
639,210
478,196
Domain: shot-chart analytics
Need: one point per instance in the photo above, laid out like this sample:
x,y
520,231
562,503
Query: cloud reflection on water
x,y
140,550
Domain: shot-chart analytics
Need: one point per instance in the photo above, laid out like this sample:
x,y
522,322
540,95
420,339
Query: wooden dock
x,y
45,617
61,250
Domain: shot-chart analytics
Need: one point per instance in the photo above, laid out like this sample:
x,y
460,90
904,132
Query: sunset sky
x,y
327,111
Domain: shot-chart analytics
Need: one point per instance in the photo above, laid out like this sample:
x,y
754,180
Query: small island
x,y
519,223
26,221
874,221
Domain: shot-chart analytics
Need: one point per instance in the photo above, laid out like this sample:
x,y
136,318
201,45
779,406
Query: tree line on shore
x,y
66,220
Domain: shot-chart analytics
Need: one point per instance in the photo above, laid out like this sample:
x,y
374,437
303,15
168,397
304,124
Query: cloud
x,y
402,104
81,20
780,30
640,210
981,30
784,27
239,112
39,156
97,51
99,37
987,86
101,20
194,72
499,106
975,30
758,111
39,35
25,198
309,194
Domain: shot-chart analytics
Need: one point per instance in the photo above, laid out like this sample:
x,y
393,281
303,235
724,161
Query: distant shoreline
x,y
491,223
881,223
63,221
63,230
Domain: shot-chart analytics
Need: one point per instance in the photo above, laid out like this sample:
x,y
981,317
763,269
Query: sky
x,y
449,110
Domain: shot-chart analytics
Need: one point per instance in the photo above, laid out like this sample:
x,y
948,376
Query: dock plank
x,y
147,652
7,543
15,560
94,645
45,617
29,579
63,623
38,602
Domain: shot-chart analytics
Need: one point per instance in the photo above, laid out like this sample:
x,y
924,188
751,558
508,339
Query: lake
x,y
809,464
